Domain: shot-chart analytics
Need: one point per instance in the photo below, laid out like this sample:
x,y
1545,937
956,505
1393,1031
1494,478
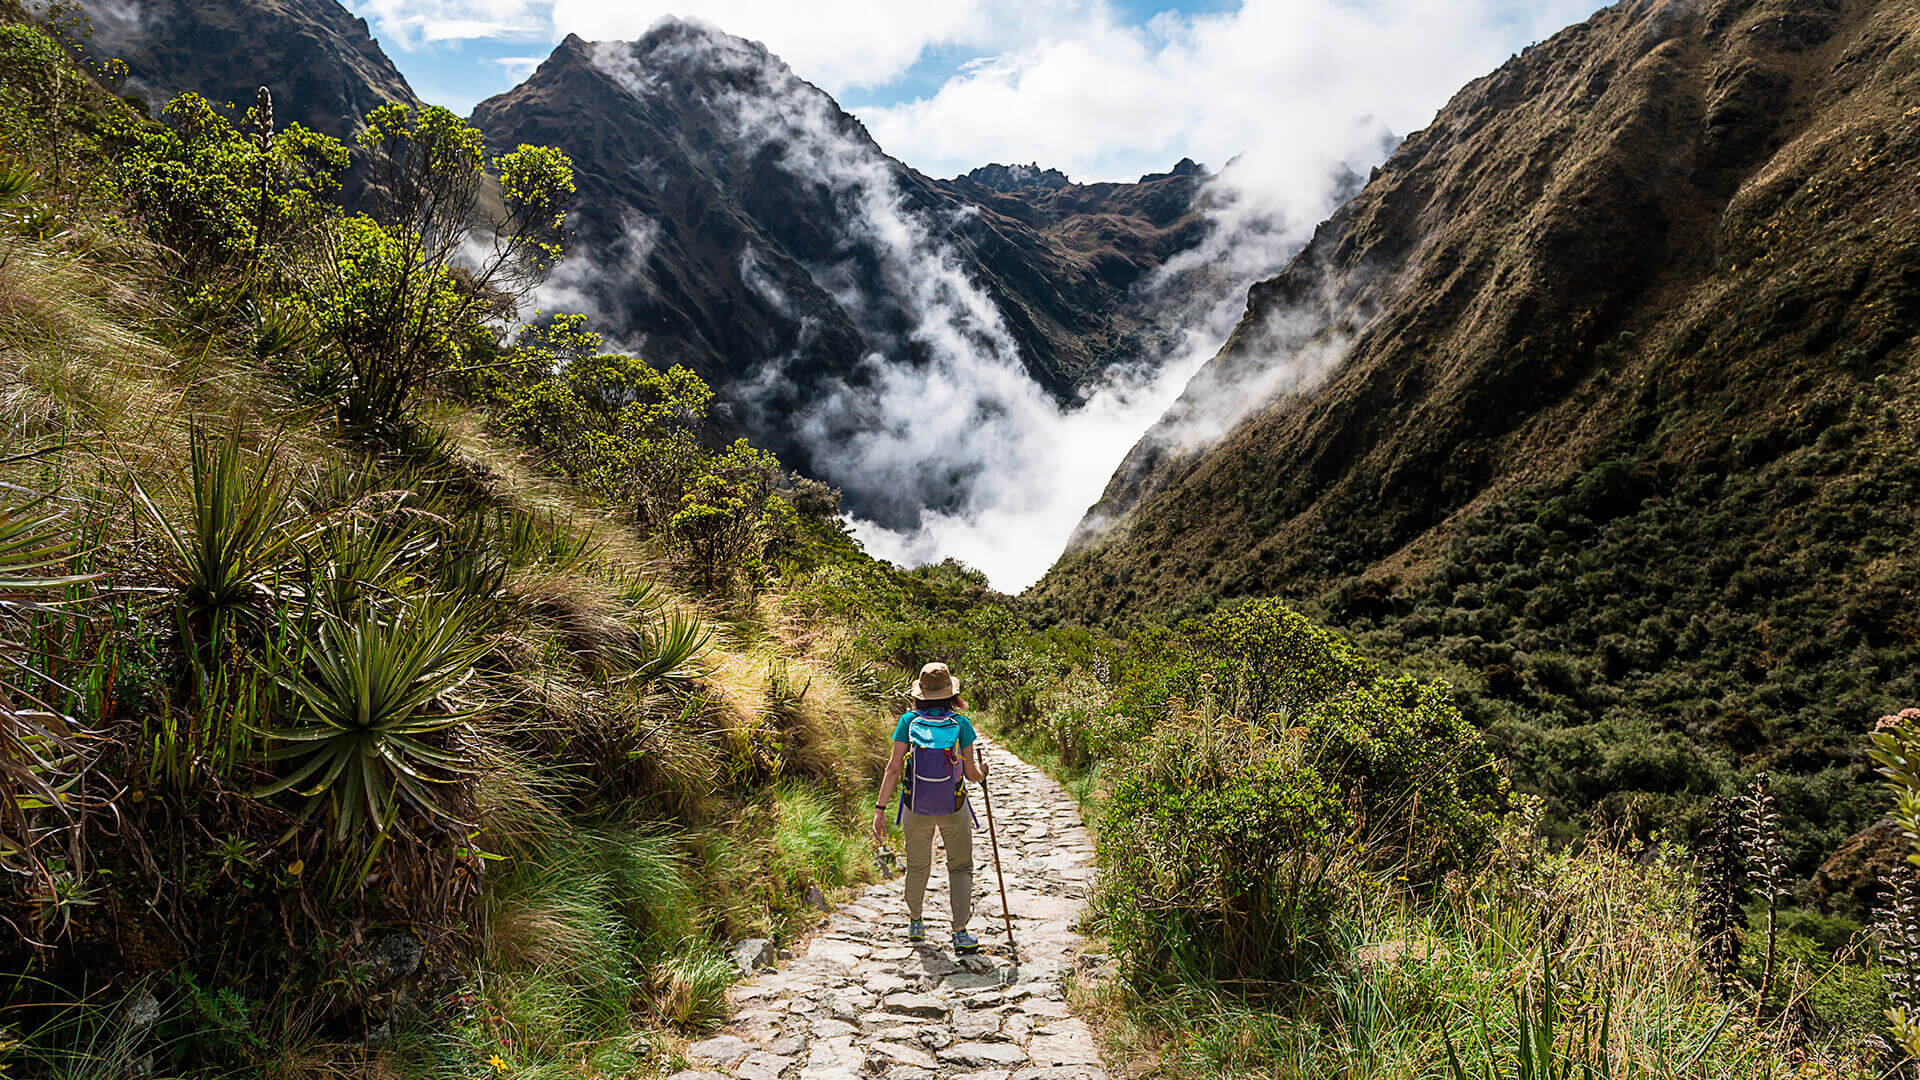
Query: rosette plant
x,y
370,700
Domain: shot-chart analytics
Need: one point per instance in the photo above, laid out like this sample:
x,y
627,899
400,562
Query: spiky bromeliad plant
x,y
366,695
241,530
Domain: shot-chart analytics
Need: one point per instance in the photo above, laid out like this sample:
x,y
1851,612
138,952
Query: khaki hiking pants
x,y
956,834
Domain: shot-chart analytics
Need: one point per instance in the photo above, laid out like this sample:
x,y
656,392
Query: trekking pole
x,y
993,838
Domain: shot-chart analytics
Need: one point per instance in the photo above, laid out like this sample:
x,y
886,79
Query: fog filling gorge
x,y
971,416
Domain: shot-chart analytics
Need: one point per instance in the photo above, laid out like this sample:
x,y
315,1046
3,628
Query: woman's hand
x,y
879,827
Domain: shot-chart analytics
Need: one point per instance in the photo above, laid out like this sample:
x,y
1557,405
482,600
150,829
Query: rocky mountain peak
x,y
1011,178
736,220
1186,167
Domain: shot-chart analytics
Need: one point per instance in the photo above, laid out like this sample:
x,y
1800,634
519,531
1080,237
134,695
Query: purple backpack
x,y
933,764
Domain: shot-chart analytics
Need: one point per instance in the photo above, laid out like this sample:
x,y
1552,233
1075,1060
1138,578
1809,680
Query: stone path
x,y
860,1003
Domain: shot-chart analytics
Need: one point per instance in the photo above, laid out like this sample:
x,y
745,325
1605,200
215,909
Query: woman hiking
x,y
938,742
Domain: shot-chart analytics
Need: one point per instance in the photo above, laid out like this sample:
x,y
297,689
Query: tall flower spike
x,y
263,117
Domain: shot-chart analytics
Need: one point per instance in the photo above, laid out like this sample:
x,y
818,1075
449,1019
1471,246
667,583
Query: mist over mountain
x,y
732,218
967,358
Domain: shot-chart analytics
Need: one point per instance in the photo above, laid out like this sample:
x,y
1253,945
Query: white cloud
x,y
838,44
410,24
1112,99
1290,90
1075,84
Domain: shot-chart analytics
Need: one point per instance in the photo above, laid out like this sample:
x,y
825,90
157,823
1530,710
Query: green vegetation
x,y
1312,866
381,695
1641,640
397,686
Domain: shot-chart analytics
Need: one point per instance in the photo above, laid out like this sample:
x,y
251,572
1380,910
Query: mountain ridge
x,y
734,219
1600,402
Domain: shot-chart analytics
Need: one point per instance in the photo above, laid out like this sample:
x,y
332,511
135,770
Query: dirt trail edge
x,y
861,1003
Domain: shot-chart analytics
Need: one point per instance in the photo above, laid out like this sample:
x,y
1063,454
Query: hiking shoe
x,y
964,942
916,930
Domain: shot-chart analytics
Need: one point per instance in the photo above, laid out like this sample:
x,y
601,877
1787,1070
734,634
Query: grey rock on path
x,y
861,1003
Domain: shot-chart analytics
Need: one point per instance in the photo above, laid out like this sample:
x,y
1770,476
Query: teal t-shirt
x,y
966,728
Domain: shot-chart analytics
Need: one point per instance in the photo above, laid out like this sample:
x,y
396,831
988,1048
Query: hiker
x,y
939,742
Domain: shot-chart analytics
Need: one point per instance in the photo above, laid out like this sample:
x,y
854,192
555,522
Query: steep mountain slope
x,y
1601,397
733,219
323,66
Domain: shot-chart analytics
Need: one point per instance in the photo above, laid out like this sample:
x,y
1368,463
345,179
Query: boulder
x,y
752,955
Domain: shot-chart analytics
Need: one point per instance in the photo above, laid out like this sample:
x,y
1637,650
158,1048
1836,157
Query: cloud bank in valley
x,y
1288,93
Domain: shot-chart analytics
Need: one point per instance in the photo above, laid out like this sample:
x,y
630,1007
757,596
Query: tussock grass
x,y
816,840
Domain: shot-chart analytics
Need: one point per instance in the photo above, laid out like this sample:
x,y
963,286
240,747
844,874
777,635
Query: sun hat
x,y
935,683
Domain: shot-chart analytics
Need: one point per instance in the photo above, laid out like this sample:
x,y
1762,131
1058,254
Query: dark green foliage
x,y
721,515
53,116
1634,664
1219,840
401,306
1262,758
630,434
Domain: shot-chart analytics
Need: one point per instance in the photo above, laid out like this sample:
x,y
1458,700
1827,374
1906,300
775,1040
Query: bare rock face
x,y
324,67
1008,179
733,219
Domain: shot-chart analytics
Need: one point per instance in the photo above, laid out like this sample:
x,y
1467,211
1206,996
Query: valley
x,y
457,574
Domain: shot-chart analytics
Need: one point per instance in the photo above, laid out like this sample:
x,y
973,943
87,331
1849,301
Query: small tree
x,y
626,431
218,197
721,515
451,260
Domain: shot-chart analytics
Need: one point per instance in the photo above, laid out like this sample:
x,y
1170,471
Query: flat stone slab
x,y
922,1005
902,1054
762,1066
977,1054
722,1049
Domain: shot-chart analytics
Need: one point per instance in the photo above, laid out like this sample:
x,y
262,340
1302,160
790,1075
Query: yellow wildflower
x,y
499,1064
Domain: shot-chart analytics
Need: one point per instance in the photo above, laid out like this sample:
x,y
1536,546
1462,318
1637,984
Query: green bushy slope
x,y
1621,428
323,673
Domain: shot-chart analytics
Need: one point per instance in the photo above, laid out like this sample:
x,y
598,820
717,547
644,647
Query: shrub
x,y
1220,839
1225,831
216,196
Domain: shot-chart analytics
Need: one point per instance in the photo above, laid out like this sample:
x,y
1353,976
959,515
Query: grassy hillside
x,y
1621,433
343,731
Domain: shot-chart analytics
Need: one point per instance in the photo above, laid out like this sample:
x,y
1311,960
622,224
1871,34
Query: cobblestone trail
x,y
860,1003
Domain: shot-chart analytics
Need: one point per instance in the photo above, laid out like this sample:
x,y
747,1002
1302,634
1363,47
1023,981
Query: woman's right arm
x,y
895,765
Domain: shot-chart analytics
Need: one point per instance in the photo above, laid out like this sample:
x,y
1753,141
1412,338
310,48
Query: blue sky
x,y
461,71
1105,89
